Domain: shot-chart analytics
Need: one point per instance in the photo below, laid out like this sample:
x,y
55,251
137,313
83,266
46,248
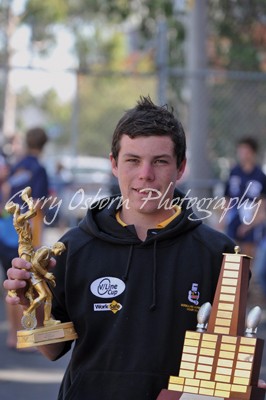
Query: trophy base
x,y
255,393
173,395
46,335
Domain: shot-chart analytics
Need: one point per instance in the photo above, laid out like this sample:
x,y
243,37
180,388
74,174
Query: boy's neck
x,y
144,222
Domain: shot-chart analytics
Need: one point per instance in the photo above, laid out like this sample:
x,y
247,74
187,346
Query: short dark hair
x,y
249,141
148,119
36,138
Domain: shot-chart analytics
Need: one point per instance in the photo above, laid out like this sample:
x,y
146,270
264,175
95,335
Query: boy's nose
x,y
146,172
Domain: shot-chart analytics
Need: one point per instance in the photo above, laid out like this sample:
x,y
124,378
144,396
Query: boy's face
x,y
246,155
4,171
147,173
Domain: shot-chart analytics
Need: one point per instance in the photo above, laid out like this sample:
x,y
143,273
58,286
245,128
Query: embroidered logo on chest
x,y
193,294
193,297
107,287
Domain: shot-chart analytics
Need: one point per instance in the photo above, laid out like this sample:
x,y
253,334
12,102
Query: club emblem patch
x,y
194,294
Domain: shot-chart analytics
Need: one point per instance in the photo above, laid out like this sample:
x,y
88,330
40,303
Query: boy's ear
x,y
181,169
113,164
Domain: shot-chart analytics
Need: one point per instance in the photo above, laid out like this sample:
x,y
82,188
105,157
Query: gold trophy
x,y
222,358
38,292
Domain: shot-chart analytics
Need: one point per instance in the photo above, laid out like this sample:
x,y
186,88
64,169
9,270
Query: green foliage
x,y
59,116
102,103
45,12
234,29
57,113
41,16
113,50
101,46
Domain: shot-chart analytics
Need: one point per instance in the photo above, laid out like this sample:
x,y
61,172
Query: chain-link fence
x,y
236,107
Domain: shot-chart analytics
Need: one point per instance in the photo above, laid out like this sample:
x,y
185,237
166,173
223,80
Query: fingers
x,y
14,284
19,270
52,262
20,263
15,291
18,276
12,299
262,384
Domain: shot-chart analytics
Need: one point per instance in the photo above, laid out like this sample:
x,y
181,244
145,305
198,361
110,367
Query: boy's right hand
x,y
18,276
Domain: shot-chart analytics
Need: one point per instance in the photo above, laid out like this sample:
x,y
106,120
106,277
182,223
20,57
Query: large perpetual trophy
x,y
221,359
52,331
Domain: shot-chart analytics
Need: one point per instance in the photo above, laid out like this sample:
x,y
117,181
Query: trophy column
x,y
223,360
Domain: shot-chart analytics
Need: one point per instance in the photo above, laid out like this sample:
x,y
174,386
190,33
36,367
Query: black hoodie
x,y
132,301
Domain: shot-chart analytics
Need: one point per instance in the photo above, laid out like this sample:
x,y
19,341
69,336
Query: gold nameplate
x,y
40,337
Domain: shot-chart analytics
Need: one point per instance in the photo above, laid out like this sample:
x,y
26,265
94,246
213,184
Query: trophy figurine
x,y
222,358
38,291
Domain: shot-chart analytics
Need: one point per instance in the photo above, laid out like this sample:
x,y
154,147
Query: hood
x,y
100,222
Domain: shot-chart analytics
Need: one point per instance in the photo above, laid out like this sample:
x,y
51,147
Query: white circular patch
x,y
107,287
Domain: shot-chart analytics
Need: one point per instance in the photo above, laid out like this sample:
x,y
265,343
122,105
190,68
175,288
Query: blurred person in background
x,y
28,171
247,183
260,267
4,173
8,248
260,261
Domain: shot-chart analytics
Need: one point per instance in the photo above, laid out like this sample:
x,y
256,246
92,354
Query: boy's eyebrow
x,y
163,156
156,156
130,155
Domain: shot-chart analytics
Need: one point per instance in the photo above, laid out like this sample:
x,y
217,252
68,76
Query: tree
x,y
39,16
97,28
238,31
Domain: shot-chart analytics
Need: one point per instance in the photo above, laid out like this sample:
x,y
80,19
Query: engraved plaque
x,y
41,337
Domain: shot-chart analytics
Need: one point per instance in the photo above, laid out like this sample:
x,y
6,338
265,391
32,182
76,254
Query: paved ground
x,y
29,376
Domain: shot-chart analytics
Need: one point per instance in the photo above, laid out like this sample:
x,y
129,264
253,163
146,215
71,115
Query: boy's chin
x,y
150,208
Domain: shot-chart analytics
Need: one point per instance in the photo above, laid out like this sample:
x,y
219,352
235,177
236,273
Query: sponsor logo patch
x,y
114,306
107,287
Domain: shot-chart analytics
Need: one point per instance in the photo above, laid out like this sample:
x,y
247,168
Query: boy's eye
x,y
132,160
160,161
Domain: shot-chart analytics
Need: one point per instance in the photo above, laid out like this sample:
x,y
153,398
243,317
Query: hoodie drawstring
x,y
125,277
154,273
154,278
